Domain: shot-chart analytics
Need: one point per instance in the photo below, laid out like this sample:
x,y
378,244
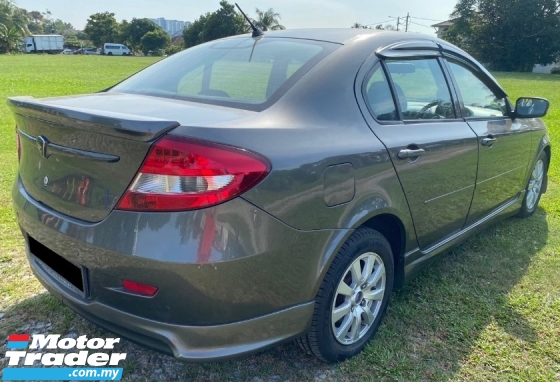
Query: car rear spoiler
x,y
110,123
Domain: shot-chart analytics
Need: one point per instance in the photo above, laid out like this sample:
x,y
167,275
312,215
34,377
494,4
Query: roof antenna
x,y
257,33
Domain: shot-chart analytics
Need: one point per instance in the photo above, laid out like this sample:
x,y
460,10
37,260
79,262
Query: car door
x,y
434,152
504,144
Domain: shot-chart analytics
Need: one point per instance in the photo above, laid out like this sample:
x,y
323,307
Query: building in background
x,y
173,27
442,27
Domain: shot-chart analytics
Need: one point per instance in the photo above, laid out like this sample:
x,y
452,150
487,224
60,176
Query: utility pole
x,y
398,23
407,18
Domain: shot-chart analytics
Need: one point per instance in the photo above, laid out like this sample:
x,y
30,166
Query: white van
x,y
112,49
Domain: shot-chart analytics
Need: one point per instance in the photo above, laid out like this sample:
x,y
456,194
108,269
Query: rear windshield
x,y
238,72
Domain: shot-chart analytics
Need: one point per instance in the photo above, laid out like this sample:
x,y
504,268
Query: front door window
x,y
478,99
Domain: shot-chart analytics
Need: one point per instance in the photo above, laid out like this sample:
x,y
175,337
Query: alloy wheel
x,y
535,185
358,298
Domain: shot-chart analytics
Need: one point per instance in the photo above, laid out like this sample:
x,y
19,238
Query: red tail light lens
x,y
146,290
184,174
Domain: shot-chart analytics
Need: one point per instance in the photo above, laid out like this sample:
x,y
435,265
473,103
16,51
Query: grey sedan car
x,y
250,191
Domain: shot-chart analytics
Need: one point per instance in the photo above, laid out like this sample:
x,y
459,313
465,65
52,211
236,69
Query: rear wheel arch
x,y
392,228
548,151
388,225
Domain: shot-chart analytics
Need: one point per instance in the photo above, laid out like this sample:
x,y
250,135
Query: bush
x,y
555,70
173,49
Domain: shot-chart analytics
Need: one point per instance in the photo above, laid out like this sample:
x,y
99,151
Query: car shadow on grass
x,y
435,322
431,327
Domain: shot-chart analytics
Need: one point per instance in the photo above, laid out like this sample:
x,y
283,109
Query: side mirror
x,y
529,107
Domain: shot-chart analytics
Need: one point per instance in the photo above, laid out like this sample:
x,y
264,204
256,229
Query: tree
x,y
222,23
192,35
81,35
134,31
172,49
155,40
71,41
361,26
508,35
132,34
124,37
268,20
36,20
13,25
13,17
177,45
9,38
44,23
51,26
102,28
387,27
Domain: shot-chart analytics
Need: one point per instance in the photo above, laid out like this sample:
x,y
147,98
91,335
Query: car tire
x,y
359,305
110,54
535,186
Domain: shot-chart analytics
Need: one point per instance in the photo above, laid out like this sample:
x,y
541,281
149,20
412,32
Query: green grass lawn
x,y
487,310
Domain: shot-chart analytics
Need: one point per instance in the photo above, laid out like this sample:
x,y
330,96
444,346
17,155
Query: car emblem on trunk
x,y
45,180
43,146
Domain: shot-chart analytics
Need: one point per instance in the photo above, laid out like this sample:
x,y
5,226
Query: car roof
x,y
334,35
376,40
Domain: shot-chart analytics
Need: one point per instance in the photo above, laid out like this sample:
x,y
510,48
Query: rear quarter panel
x,y
318,124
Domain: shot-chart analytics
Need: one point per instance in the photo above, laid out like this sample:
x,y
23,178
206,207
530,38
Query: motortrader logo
x,y
24,350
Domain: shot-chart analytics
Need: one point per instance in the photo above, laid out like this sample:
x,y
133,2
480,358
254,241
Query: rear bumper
x,y
232,279
188,343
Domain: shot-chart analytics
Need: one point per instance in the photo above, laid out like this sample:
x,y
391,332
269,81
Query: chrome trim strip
x,y
450,193
53,148
415,250
504,173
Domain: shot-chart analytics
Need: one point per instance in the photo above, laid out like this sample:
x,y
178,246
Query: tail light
x,y
18,143
181,174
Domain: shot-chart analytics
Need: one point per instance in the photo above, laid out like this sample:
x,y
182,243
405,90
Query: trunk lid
x,y
80,154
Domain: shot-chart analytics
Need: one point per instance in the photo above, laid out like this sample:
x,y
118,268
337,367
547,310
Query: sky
x,y
294,13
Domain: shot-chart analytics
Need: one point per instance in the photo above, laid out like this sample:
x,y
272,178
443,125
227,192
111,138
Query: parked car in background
x,y
52,44
67,51
250,191
112,49
87,51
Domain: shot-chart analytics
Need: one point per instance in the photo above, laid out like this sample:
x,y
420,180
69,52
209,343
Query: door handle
x,y
408,153
488,141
